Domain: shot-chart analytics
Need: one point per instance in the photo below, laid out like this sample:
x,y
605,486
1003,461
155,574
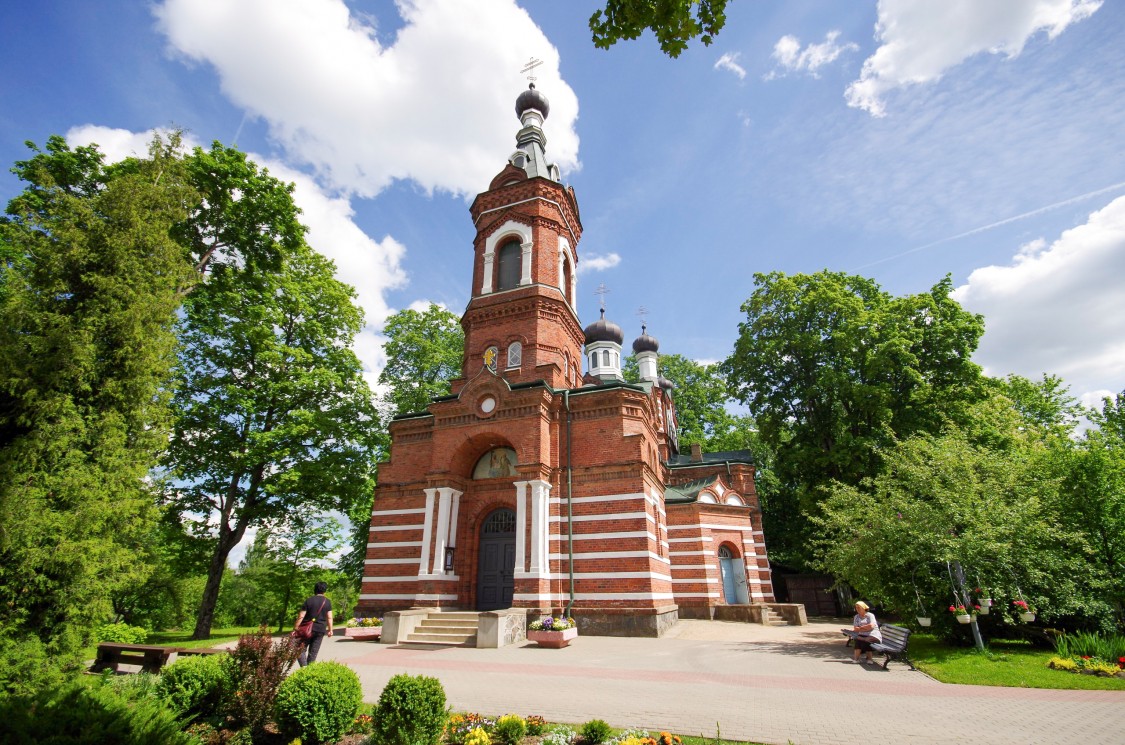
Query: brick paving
x,y
762,684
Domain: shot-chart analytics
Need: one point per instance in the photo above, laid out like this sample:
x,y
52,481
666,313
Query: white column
x,y
441,534
427,532
453,519
540,525
521,527
486,282
525,265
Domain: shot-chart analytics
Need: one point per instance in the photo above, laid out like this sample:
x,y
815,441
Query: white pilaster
x,y
525,265
486,283
441,535
453,519
427,533
521,527
540,525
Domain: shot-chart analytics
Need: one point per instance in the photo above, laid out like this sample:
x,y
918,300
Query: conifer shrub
x,y
411,711
319,703
510,729
196,684
595,732
88,714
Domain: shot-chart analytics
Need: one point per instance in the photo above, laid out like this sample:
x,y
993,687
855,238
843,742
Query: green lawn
x,y
1005,663
183,638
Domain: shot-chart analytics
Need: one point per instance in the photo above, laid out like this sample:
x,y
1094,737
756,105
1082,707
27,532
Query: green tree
x,y
86,324
833,369
424,352
957,496
273,415
675,22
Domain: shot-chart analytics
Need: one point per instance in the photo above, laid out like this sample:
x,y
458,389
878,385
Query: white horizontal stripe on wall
x,y
601,498
612,555
740,529
394,544
694,539
607,516
413,560
386,528
623,596
380,596
697,580
692,553
697,594
407,578
610,536
615,575
412,511
683,567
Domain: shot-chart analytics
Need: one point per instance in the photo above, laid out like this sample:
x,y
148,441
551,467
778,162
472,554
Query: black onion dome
x,y
603,330
645,343
532,99
666,384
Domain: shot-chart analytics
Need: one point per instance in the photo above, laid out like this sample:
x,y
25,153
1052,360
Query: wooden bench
x,y
150,657
189,651
893,646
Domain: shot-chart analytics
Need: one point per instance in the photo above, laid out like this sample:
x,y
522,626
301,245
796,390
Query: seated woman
x,y
866,628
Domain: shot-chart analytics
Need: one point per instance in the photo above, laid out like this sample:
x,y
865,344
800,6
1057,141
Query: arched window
x,y
593,360
605,358
515,354
508,275
566,282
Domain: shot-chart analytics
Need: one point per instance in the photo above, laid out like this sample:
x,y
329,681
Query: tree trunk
x,y
227,541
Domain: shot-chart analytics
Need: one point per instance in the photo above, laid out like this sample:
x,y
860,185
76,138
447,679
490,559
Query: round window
x,y
487,404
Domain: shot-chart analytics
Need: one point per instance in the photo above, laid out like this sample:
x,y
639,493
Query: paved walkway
x,y
763,684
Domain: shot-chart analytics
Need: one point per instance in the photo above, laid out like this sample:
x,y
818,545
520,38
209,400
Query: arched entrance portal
x,y
734,580
497,563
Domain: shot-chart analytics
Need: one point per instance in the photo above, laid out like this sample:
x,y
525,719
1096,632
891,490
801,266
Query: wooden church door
x,y
497,561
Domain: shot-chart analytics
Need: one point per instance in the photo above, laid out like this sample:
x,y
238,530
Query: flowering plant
x,y
364,623
1022,606
460,726
958,610
552,624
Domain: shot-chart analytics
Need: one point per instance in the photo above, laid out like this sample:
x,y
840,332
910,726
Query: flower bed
x,y
1087,665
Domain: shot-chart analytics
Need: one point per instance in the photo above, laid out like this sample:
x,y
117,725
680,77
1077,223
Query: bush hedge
x,y
196,684
411,711
318,703
121,633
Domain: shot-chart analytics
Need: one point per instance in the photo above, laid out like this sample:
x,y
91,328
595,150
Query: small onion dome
x,y
532,99
603,330
644,342
666,384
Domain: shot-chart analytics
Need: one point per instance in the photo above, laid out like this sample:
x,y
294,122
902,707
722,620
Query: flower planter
x,y
1027,617
985,602
964,618
923,620
983,610
552,639
364,633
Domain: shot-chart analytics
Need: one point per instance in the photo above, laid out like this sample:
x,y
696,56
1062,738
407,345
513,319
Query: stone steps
x,y
455,629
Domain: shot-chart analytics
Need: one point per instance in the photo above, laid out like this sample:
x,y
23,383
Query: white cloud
x,y
921,39
595,263
791,58
435,107
371,267
729,61
1058,309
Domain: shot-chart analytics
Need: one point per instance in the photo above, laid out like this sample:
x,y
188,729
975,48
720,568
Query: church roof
x,y
645,343
688,492
723,456
603,330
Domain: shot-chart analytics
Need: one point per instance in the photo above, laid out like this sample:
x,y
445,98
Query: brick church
x,y
537,487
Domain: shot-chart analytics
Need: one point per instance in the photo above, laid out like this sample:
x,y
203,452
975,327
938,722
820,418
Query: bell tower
x,y
521,322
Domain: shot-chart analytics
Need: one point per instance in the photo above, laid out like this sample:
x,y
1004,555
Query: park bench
x,y
189,651
893,646
150,657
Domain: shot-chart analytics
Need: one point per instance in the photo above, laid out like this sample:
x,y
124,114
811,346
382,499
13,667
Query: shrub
x,y
87,714
595,732
535,725
318,703
121,633
1085,644
134,687
196,684
27,666
256,668
478,737
411,711
510,729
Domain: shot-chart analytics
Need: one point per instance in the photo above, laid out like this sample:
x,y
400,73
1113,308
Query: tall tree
x,y
86,324
273,414
424,351
675,22
832,369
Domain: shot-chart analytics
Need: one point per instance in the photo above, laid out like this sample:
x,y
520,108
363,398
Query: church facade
x,y
535,485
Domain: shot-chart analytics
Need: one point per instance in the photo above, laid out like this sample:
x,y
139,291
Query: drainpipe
x,y
569,507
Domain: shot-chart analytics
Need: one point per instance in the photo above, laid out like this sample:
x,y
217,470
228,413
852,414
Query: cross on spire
x,y
530,68
601,292
642,312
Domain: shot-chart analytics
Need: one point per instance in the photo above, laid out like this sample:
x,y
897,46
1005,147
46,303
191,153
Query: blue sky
x,y
902,140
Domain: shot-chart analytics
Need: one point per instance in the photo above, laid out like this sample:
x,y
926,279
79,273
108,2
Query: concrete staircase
x,y
771,617
451,629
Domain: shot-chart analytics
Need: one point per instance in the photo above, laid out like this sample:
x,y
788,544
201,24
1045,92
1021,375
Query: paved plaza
x,y
764,684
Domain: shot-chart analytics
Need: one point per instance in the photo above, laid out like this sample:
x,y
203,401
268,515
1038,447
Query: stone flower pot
x,y
923,620
552,639
364,633
1027,617
964,618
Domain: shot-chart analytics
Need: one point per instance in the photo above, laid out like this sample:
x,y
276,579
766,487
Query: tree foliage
x,y
273,414
675,22
424,351
86,325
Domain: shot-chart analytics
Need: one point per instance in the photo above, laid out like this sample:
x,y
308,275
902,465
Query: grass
x,y
1013,664
183,639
